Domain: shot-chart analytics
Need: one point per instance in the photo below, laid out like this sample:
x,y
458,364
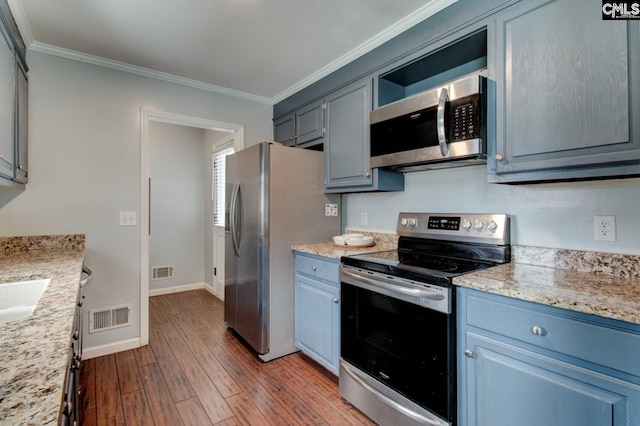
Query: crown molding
x,y
398,28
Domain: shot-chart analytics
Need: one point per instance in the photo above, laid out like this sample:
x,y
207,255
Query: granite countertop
x,y
603,284
34,352
382,242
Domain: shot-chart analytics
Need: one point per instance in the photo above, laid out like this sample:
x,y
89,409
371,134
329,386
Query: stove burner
x,y
427,262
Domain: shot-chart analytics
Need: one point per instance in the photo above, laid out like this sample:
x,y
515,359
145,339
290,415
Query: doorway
x,y
147,118
221,148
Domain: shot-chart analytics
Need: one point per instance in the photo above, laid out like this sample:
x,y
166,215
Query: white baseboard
x,y
211,290
176,289
111,348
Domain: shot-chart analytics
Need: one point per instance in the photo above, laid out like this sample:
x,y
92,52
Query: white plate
x,y
359,242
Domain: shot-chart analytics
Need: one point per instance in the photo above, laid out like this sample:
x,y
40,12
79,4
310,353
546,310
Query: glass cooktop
x,y
414,265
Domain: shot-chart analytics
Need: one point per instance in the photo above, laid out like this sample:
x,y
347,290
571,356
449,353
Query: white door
x,y
221,149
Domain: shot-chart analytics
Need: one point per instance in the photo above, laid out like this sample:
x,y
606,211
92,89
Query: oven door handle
x,y
393,286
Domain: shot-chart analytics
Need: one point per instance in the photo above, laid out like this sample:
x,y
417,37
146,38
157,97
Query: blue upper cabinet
x,y
346,150
567,93
303,128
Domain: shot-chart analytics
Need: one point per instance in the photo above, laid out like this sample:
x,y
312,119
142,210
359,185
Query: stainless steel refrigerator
x,y
274,198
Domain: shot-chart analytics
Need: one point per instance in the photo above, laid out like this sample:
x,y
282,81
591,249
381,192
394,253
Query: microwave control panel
x,y
465,118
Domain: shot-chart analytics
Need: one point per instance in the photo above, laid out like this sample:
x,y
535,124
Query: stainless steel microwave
x,y
442,127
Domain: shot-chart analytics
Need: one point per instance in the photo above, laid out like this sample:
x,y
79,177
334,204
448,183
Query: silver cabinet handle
x,y
468,353
537,330
335,300
313,268
499,157
89,273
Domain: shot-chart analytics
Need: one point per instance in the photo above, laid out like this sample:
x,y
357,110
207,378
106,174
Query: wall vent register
x,y
109,318
162,272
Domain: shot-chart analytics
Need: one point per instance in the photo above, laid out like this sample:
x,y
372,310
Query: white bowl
x,y
358,242
352,236
339,240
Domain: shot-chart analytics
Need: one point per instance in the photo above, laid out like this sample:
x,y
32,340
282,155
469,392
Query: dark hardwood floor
x,y
196,372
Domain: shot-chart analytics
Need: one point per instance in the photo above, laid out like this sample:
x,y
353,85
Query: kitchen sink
x,y
19,299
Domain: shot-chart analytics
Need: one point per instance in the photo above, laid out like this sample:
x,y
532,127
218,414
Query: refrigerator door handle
x,y
238,220
234,218
233,206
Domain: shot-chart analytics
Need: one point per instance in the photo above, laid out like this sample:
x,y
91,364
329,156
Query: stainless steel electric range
x,y
398,316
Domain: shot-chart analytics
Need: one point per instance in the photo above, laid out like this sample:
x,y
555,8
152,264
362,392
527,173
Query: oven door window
x,y
408,347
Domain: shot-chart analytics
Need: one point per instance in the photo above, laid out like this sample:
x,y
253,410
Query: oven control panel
x,y
468,227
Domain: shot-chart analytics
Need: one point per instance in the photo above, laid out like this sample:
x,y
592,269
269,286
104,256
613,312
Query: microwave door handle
x,y
441,122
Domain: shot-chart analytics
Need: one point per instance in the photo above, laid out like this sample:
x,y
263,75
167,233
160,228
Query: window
x,y
219,161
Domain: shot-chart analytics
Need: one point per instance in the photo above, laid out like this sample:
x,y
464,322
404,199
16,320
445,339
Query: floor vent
x,y
162,272
108,318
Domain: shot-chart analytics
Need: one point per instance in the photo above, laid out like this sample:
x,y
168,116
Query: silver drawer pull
x,y
313,268
468,353
537,330
335,300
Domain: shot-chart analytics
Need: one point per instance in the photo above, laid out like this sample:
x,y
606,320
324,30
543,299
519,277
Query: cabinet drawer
x,y
317,267
564,332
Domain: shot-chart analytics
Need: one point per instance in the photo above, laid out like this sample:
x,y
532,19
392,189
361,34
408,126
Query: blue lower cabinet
x,y
317,309
505,380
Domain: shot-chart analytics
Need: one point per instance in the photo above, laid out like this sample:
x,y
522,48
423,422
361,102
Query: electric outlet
x,y
604,228
364,218
331,210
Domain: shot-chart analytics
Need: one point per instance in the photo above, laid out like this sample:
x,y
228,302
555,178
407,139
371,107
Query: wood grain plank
x,y
88,384
213,403
137,408
174,376
245,412
316,401
128,376
192,413
108,402
144,355
160,401
210,364
313,374
269,406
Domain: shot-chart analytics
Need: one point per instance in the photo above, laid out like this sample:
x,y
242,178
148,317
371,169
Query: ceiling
x,y
262,50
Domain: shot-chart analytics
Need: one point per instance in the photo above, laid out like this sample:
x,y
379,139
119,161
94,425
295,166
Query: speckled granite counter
x,y
34,352
381,241
603,284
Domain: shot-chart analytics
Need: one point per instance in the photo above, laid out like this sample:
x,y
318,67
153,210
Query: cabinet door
x,y
309,123
7,104
567,89
284,130
346,152
317,328
507,386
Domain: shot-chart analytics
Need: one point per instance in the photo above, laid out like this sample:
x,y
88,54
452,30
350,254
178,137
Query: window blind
x,y
219,162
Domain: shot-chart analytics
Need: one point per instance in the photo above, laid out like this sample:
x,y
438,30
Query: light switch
x,y
128,219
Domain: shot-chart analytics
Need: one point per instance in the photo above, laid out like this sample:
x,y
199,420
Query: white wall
x,y
84,154
558,215
178,174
